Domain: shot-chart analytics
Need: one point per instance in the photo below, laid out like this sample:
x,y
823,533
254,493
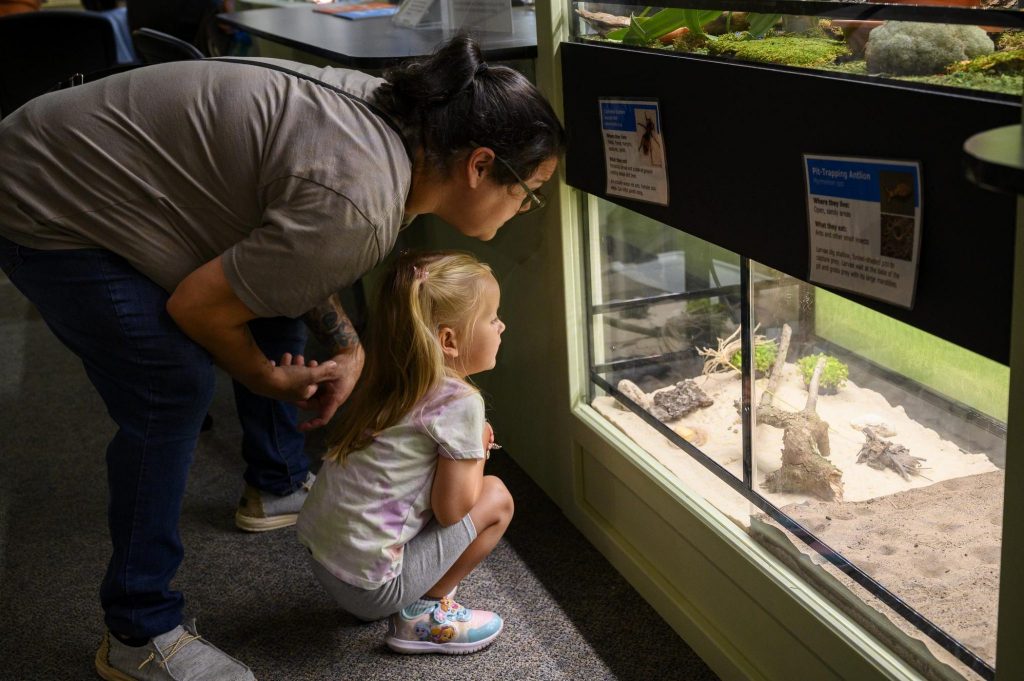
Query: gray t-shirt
x,y
299,187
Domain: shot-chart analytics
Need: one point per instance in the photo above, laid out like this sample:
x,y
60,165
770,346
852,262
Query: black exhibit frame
x,y
750,199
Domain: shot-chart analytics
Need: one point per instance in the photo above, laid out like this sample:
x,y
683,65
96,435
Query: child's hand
x,y
489,443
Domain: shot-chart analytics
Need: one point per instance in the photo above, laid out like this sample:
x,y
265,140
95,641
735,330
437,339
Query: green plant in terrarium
x,y
764,357
833,374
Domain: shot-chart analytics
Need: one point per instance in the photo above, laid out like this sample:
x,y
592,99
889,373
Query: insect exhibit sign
x,y
864,219
634,150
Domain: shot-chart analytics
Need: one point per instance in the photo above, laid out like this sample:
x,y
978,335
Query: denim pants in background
x,y
157,385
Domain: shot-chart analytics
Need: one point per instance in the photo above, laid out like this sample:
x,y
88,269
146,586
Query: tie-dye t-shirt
x,y
361,513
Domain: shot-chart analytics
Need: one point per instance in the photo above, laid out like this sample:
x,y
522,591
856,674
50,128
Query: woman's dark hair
x,y
452,100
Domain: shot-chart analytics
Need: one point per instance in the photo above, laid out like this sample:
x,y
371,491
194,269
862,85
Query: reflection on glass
x,y
660,298
885,443
988,58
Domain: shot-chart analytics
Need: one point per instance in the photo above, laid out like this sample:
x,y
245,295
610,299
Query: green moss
x,y
764,357
858,67
1011,85
786,50
1010,63
833,374
1008,84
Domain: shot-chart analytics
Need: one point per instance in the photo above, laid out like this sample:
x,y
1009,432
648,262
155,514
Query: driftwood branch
x,y
805,445
881,454
720,359
780,359
812,388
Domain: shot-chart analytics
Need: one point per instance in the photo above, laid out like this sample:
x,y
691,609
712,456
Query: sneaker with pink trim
x,y
444,627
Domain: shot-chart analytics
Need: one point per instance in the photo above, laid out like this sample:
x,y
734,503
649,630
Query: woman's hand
x,y
330,393
295,381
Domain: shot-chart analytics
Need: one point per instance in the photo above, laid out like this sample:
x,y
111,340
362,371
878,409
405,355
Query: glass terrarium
x,y
864,452
973,45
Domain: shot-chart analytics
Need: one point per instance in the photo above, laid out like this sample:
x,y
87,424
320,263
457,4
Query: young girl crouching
x,y
401,510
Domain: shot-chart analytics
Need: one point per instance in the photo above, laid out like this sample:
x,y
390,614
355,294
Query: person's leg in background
x,y
157,385
277,475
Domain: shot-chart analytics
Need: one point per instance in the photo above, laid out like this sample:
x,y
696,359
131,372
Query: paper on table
x,y
359,10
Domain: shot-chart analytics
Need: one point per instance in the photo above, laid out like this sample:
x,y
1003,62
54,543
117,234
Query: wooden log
x,y
805,445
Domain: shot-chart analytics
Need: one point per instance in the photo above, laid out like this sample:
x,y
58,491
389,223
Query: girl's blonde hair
x,y
422,292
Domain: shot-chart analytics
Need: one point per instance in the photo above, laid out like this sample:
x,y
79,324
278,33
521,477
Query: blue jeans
x,y
157,385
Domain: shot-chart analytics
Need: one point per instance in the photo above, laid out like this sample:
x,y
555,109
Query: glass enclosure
x,y
863,452
967,46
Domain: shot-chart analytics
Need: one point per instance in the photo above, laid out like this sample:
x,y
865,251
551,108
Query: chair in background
x,y
40,49
155,47
193,21
118,16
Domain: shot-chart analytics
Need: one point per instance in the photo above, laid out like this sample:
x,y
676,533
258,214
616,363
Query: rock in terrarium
x,y
678,401
875,422
695,436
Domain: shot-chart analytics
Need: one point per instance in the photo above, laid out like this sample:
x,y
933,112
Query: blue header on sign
x,y
621,116
856,180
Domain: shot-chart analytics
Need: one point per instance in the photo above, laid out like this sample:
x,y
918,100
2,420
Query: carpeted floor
x,y
569,614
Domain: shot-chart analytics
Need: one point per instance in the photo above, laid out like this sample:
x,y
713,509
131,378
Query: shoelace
x,y
183,640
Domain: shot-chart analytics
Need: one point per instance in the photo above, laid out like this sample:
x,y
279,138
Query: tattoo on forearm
x,y
331,325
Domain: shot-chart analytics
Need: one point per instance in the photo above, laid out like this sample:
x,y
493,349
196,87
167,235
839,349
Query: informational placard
x,y
864,218
634,150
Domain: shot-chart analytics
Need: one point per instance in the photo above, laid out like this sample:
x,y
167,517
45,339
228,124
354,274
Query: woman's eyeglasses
x,y
533,199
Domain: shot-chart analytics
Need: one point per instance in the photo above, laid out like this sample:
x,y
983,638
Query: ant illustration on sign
x,y
648,139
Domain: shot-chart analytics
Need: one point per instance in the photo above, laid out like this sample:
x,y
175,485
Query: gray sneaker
x,y
179,655
261,511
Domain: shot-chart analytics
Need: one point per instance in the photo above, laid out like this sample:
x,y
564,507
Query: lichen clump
x,y
833,374
787,50
913,48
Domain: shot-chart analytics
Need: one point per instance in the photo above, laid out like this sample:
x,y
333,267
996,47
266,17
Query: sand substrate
x,y
933,540
937,548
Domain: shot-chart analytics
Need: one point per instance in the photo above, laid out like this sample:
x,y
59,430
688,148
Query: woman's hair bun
x,y
452,99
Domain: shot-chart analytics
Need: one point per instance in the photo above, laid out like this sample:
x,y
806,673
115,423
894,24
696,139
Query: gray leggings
x,y
426,558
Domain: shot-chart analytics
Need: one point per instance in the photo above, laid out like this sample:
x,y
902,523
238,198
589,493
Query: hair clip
x,y
419,273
